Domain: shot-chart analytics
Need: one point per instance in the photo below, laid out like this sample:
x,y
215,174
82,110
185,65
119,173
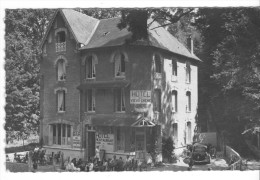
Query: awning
x,y
104,84
112,121
143,122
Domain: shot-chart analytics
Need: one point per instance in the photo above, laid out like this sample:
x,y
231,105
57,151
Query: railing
x,y
233,158
60,47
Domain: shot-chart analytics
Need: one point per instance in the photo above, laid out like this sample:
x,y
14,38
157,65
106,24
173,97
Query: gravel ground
x,y
219,164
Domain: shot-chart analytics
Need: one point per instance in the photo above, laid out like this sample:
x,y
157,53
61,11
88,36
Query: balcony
x,y
60,47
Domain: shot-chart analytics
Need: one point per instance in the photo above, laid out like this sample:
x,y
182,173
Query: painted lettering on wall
x,y
76,139
140,97
105,141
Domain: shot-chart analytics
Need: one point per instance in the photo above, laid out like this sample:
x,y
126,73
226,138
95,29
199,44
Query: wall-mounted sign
x,y
105,141
140,97
76,139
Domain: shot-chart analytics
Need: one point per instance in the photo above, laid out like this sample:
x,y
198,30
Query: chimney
x,y
190,44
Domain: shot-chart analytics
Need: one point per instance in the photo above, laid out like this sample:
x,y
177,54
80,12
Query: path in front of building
x,y
216,164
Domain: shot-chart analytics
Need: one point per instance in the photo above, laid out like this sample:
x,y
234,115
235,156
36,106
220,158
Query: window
x,y
61,37
61,134
157,100
90,68
188,132
120,139
188,72
119,65
174,101
61,100
157,61
174,67
61,70
188,97
60,41
119,100
90,100
175,133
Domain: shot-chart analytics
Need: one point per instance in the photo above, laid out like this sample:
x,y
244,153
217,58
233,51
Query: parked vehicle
x,y
199,154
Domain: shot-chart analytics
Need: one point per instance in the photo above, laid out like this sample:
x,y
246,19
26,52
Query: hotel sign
x,y
140,97
105,141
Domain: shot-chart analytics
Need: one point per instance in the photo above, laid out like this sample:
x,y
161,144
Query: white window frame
x,y
61,66
174,70
118,65
122,107
92,74
93,100
174,101
188,73
64,140
188,101
61,106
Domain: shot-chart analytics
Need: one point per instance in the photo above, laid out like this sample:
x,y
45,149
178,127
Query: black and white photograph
x,y
124,89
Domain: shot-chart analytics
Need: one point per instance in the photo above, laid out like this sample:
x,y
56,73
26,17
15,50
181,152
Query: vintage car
x,y
199,154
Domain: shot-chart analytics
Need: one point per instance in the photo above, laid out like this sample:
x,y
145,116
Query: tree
x,y
24,31
229,76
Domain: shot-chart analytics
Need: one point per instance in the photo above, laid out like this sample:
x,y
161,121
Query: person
x,y
97,155
120,164
127,163
114,163
191,163
7,158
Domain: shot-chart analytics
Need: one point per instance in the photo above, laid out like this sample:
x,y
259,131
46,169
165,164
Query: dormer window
x,y
61,70
120,65
60,40
90,68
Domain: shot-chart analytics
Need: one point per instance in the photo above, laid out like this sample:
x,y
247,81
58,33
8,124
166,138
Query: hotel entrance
x,y
90,141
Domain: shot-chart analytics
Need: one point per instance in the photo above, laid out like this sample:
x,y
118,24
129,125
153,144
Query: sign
x,y
140,97
105,141
76,139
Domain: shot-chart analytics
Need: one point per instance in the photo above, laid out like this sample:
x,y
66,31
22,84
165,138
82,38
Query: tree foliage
x,y
24,31
229,76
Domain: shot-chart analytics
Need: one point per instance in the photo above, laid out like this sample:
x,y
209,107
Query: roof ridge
x,y
79,13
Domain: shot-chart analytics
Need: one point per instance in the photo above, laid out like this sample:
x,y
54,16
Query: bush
x,y
168,149
27,147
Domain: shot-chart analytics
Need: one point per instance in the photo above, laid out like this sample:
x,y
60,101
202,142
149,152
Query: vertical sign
x,y
76,139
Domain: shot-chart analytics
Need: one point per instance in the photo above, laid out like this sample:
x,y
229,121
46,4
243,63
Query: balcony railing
x,y
60,47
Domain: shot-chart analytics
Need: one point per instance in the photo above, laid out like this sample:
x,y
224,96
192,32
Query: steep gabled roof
x,y
80,25
108,34
94,33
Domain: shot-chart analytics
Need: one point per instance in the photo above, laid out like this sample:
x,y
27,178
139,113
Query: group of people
x,y
95,164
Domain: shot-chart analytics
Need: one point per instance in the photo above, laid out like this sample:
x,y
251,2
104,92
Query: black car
x,y
199,154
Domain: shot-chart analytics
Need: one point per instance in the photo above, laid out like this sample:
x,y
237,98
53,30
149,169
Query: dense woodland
x,y
226,39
